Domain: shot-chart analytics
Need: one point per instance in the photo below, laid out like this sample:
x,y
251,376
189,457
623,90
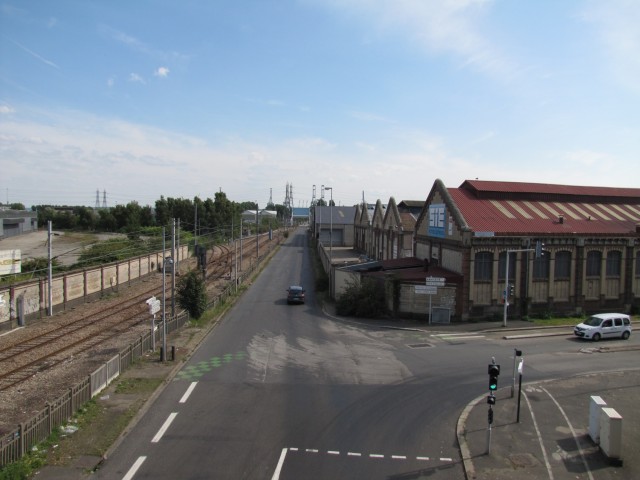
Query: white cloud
x,y
6,109
440,27
135,78
162,72
616,25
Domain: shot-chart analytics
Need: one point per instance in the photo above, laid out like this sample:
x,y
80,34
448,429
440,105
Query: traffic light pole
x,y
494,371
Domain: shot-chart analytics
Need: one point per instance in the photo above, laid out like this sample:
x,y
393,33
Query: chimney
x,y
560,219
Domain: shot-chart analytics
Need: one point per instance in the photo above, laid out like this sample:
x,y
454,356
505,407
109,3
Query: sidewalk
x,y
552,439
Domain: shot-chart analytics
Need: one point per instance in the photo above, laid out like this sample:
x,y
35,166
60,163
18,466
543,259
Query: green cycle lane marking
x,y
194,372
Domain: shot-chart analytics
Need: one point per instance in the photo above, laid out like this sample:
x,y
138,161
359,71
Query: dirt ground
x,y
65,246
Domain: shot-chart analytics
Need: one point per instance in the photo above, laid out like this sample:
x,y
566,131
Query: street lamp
x,y
330,226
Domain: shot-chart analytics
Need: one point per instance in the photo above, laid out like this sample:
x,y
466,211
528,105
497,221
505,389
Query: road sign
x,y
420,289
435,281
429,290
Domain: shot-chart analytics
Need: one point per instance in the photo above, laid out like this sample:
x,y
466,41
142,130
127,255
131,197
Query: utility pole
x,y
173,269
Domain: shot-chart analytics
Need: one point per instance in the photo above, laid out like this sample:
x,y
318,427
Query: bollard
x,y
611,435
595,408
173,353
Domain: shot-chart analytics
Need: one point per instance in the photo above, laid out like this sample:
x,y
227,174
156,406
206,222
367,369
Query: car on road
x,y
604,325
295,294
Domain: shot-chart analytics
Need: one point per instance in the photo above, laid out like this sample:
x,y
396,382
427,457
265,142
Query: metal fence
x,y
28,434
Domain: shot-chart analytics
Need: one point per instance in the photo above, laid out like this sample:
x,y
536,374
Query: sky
x,y
372,98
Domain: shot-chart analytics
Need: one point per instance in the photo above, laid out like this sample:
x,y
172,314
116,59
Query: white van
x,y
604,325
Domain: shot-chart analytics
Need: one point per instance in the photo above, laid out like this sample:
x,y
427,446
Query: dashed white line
x,y
311,450
134,468
398,457
375,455
333,452
186,395
423,459
353,454
164,427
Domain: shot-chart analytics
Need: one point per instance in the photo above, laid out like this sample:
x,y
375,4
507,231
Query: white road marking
x,y
134,468
164,427
573,432
276,474
374,455
185,397
535,425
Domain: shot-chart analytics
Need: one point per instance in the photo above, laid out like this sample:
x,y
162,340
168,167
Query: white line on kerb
x,y
134,468
164,427
276,474
185,397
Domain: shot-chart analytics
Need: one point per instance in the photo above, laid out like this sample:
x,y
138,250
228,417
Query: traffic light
x,y
539,246
511,289
494,372
491,399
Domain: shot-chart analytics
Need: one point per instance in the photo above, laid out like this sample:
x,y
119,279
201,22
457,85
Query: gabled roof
x,y
339,215
505,208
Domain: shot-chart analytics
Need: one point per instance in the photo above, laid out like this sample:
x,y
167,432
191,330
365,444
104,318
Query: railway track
x,y
50,347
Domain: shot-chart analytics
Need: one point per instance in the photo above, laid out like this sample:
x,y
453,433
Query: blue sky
x,y
376,98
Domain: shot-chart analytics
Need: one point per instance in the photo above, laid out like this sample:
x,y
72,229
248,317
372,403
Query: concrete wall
x,y
30,299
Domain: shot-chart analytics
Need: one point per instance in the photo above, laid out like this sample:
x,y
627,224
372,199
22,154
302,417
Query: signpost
x,y
431,288
154,307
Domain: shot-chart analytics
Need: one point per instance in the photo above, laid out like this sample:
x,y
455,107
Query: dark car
x,y
295,294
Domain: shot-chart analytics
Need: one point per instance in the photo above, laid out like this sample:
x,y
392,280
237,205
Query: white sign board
x,y
154,305
435,281
420,289
10,262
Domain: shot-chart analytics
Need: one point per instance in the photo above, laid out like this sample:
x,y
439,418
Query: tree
x,y
192,294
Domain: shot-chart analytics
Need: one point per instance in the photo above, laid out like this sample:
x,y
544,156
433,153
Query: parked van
x,y
605,325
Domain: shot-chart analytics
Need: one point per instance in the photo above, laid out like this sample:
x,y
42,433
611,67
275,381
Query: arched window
x,y
562,269
502,265
483,266
614,263
541,267
594,263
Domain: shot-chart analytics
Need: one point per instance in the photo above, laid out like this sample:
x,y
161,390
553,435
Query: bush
x,y
364,299
192,294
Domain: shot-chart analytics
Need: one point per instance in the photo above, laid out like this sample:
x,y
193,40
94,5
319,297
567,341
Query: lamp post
x,y
330,226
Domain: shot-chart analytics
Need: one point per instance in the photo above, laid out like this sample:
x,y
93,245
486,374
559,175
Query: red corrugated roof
x,y
564,210
487,186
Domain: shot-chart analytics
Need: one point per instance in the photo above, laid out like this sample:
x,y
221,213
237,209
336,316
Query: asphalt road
x,y
286,392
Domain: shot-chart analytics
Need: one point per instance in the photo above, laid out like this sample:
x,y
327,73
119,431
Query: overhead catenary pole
x,y
50,290
173,267
257,233
163,356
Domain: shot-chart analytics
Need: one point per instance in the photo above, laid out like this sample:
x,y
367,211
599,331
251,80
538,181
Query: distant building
x,y
17,222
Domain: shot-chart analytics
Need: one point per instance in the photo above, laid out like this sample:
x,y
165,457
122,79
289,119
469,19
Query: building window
x,y
637,264
502,266
541,267
594,263
483,266
563,265
614,261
